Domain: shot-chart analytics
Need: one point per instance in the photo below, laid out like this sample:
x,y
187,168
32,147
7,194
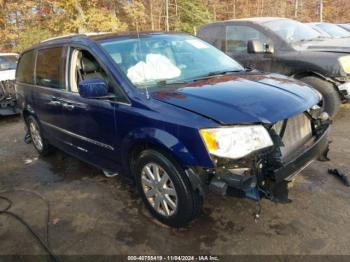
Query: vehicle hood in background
x,y
242,99
7,75
339,45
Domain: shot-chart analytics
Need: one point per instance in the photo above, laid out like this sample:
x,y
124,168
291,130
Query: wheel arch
x,y
303,74
160,140
28,111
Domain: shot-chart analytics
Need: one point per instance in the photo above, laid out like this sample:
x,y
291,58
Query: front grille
x,y
297,132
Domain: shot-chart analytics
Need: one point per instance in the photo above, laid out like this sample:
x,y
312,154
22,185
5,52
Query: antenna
x,y
140,55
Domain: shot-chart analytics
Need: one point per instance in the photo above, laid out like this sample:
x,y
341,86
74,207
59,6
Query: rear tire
x,y
331,98
159,179
40,143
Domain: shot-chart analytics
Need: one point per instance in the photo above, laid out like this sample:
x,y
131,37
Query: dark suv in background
x,y
287,47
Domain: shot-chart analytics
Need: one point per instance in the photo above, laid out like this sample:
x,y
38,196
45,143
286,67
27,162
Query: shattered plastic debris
x,y
28,161
343,177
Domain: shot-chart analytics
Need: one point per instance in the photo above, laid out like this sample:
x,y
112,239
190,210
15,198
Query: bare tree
x,y
166,15
151,14
296,6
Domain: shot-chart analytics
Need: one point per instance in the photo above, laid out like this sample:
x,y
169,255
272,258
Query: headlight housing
x,y
235,142
344,61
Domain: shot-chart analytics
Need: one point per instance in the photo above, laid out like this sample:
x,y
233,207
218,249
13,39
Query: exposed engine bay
x,y
297,142
8,102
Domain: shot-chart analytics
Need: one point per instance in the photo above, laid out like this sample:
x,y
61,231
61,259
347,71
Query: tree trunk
x,y
321,10
151,14
234,9
81,14
167,15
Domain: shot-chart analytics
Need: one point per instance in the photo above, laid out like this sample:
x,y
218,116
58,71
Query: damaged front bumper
x,y
267,173
8,101
344,90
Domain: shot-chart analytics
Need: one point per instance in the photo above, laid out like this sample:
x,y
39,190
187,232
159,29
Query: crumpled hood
x,y
339,45
7,75
243,99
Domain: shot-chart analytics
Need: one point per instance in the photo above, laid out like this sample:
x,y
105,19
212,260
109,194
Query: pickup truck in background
x,y
290,48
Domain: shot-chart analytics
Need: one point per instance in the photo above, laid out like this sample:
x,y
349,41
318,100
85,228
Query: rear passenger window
x,y
25,68
237,38
50,67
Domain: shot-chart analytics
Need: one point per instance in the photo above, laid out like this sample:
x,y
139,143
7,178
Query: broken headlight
x,y
235,142
345,63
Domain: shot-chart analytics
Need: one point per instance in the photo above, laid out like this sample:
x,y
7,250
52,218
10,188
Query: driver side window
x,y
237,38
83,66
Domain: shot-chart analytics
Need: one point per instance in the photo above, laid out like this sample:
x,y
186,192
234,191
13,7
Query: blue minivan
x,y
173,113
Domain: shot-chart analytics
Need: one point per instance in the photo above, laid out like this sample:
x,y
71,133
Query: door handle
x,y
68,106
54,101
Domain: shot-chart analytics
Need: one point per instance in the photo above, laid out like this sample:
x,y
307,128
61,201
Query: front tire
x,y
40,143
331,98
166,190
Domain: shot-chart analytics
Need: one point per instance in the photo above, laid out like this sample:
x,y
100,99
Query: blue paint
x,y
93,88
169,120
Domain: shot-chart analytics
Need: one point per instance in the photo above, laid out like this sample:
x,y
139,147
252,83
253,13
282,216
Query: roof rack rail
x,y
57,37
76,34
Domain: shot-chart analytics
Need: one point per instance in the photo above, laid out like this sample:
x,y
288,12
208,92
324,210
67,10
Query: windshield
x,y
334,30
292,31
8,62
153,60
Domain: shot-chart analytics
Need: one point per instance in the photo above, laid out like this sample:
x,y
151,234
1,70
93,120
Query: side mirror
x,y
256,47
93,88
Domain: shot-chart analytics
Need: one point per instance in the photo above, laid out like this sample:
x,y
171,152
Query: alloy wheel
x,y
35,134
159,189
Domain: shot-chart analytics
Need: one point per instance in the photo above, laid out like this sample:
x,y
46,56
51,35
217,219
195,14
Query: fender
x,y
167,142
303,74
27,110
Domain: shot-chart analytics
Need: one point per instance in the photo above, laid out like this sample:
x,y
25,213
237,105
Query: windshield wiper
x,y
170,82
161,83
216,73
223,72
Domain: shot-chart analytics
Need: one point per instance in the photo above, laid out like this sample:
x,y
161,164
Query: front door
x,y
90,123
237,37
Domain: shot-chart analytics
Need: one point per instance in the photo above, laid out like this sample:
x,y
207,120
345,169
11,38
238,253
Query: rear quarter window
x,y
50,67
25,68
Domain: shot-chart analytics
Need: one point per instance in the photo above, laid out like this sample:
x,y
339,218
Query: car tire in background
x,y
331,98
165,189
38,140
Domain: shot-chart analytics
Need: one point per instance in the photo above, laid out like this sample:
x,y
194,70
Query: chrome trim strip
x,y
65,91
79,136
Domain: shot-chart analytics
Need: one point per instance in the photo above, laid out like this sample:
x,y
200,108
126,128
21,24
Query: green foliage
x,y
102,20
32,36
190,14
135,12
23,23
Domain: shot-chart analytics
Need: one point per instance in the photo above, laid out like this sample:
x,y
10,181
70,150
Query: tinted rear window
x,y
25,68
50,67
